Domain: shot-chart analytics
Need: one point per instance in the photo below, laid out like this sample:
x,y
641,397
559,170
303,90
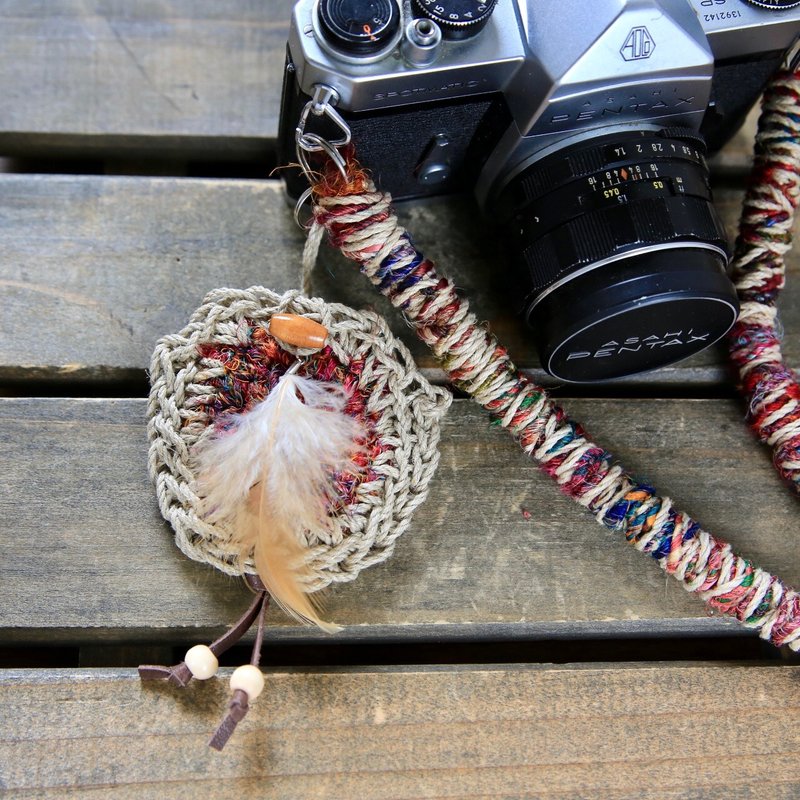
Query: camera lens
x,y
619,253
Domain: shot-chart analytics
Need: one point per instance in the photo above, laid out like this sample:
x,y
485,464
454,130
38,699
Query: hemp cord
x,y
360,222
224,361
765,235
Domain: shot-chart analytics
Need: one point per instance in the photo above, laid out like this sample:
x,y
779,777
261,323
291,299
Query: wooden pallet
x,y
95,267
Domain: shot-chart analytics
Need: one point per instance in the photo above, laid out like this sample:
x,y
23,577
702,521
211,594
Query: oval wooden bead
x,y
298,331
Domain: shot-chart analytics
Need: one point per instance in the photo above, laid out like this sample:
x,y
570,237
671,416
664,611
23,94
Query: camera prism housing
x,y
581,127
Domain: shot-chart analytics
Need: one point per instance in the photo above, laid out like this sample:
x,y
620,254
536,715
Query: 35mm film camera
x,y
582,127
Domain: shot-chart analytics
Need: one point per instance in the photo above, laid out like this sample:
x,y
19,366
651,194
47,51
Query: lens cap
x,y
633,314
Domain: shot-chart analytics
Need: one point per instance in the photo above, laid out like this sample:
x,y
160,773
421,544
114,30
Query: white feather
x,y
268,477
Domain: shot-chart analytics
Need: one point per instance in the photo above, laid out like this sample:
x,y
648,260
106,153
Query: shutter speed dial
x,y
774,5
458,19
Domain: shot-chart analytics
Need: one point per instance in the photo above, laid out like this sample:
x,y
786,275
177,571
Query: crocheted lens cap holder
x,y
291,441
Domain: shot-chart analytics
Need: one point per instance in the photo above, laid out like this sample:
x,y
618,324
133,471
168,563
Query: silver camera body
x,y
565,69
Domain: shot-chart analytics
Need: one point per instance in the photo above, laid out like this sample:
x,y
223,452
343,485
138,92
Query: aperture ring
x,y
557,170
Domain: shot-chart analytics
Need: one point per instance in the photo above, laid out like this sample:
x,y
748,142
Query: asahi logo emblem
x,y
633,344
638,45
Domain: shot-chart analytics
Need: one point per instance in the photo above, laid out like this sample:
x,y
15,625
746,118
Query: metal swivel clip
x,y
321,104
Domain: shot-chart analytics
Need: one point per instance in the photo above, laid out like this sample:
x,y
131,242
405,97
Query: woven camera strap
x,y
360,221
765,236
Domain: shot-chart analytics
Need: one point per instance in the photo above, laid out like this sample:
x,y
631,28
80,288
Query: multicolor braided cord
x,y
765,235
360,222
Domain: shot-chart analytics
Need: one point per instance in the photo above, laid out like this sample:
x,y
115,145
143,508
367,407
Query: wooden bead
x,y
298,331
249,679
202,662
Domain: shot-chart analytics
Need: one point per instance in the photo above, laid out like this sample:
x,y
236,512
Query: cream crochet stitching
x,y
408,411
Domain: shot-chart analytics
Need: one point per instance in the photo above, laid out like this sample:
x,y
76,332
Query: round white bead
x,y
202,662
249,679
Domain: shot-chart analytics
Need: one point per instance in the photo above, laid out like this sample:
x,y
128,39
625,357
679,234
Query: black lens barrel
x,y
609,232
612,240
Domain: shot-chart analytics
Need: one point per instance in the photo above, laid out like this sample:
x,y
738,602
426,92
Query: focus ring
x,y
552,210
596,236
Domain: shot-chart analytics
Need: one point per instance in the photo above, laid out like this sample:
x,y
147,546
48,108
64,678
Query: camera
x,y
582,127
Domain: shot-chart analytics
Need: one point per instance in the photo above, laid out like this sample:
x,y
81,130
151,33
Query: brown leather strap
x,y
255,658
237,709
238,705
179,675
231,636
254,582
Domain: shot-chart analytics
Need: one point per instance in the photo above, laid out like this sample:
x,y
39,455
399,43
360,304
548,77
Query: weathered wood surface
x,y
112,264
495,550
95,270
186,78
622,732
201,78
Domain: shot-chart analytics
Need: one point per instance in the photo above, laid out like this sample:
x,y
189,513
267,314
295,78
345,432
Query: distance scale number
x,y
615,191
644,180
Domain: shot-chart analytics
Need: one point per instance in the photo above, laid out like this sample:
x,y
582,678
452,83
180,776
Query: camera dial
x,y
359,28
458,19
620,254
774,5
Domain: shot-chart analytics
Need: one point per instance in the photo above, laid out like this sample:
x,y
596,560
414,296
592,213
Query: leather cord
x,y
239,702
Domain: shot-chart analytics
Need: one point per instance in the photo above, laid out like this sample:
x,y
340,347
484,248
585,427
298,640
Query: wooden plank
x,y
112,264
655,731
186,78
115,263
495,551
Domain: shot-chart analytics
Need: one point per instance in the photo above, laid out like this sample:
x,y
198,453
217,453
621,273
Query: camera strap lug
x,y
320,105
